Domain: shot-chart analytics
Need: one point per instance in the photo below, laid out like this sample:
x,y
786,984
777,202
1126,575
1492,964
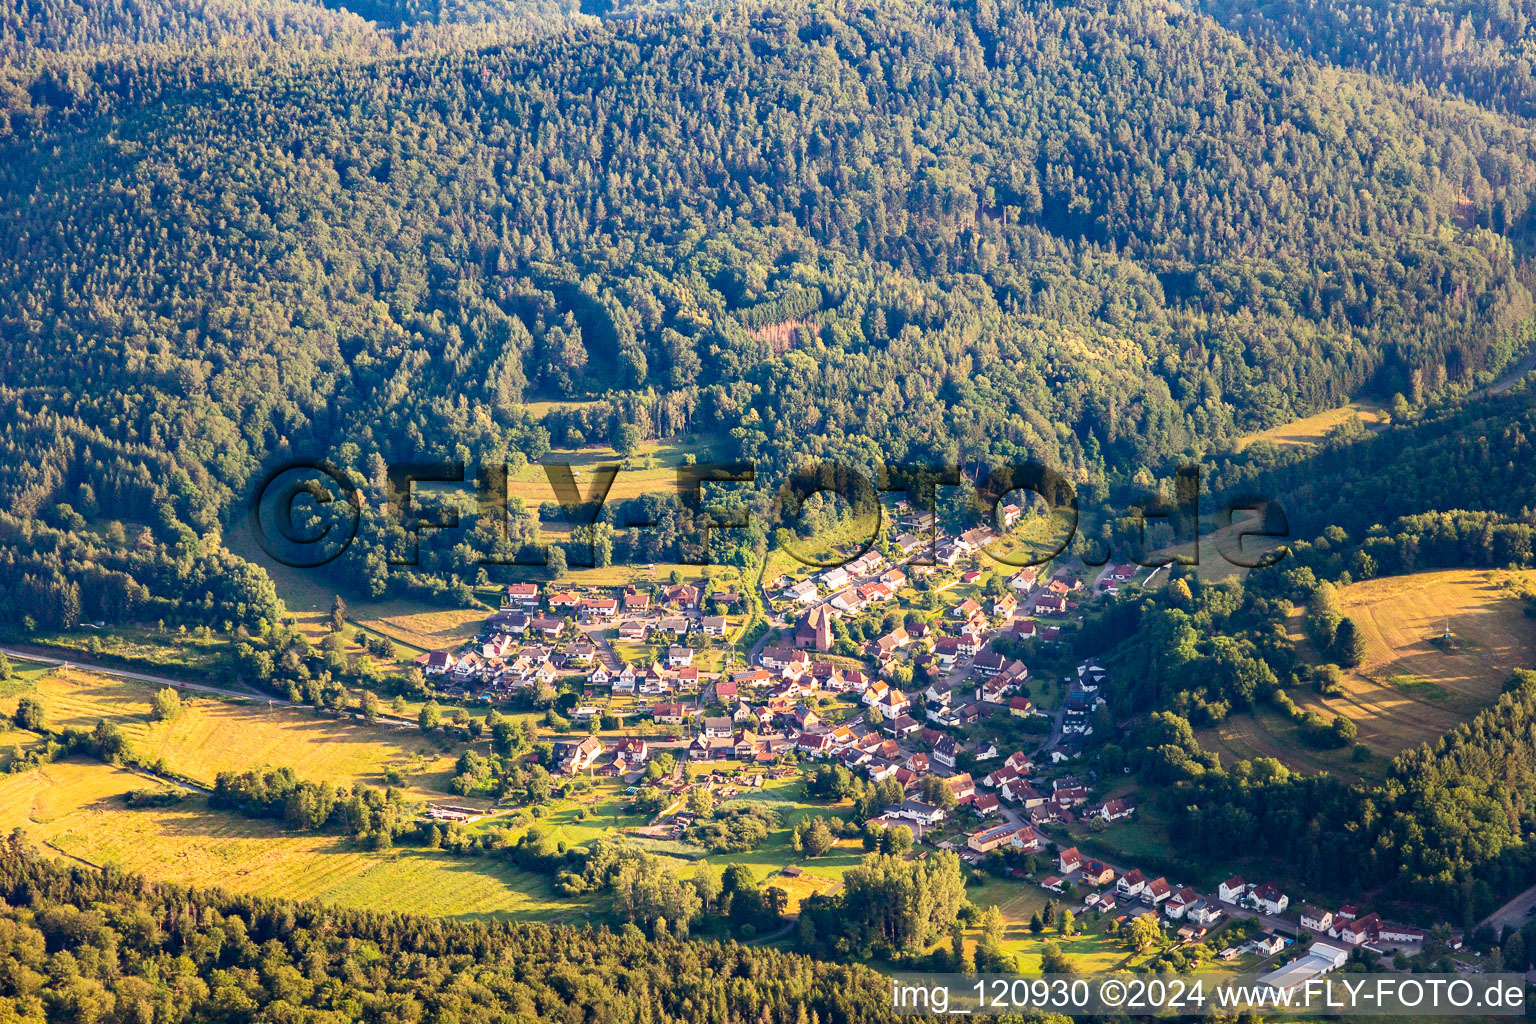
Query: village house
x,y
988,664
1020,792
546,624
523,593
1096,872
945,751
945,650
1025,579
1398,933
893,704
714,625
1316,919
631,752
875,593
965,610
436,663
1069,860
1019,837
889,644
599,607
1181,901
1132,883
564,600
718,726
1269,899
846,600
1203,913
671,713
682,595
678,656
817,744
578,757
1232,891
1063,582
1070,796
803,592
469,667
1156,891
835,578
1268,944
963,786
637,604
781,658
711,748
916,810
1116,809
986,804
1050,604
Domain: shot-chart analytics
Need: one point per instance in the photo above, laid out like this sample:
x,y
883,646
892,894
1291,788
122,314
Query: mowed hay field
x,y
1312,429
211,735
1407,689
307,594
75,810
1268,732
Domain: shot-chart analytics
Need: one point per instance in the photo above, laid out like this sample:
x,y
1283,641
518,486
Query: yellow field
x,y
75,810
653,468
801,887
1408,690
213,735
425,629
1314,428
1268,732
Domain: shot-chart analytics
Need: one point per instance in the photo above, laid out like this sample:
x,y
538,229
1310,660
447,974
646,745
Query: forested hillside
x,y
33,30
1483,51
78,944
1474,456
1097,235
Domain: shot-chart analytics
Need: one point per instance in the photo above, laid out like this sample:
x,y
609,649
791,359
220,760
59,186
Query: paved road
x,y
1513,377
597,634
1515,913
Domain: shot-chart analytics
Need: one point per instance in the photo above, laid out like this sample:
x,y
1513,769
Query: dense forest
x,y
1483,51
77,944
1100,236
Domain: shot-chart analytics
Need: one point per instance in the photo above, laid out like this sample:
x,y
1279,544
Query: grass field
x,y
1268,732
75,809
1222,543
1314,428
1408,690
213,735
